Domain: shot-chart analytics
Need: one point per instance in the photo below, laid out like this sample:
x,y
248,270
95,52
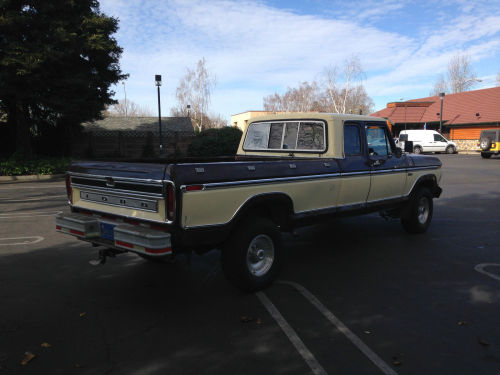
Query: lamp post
x,y
158,84
406,105
125,92
441,96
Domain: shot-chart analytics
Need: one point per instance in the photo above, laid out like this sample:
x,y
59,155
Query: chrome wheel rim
x,y
260,255
423,210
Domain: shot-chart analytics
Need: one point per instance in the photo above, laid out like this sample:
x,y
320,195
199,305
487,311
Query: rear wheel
x,y
418,214
485,155
417,150
252,257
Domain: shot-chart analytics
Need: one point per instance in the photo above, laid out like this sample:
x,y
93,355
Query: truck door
x,y
387,169
355,182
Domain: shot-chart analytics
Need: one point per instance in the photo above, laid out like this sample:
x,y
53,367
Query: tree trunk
x,y
23,136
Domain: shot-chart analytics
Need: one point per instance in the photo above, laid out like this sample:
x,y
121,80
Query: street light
x,y
125,91
406,105
441,96
158,84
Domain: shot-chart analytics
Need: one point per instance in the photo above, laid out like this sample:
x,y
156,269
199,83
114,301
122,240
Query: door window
x,y
378,143
352,140
439,138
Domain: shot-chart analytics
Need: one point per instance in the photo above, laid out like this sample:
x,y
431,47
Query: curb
x,y
31,178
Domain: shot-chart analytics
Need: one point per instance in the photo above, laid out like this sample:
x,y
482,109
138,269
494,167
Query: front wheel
x,y
417,150
418,214
450,150
251,258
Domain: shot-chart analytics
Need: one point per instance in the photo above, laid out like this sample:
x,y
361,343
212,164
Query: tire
x,y
251,259
417,215
485,155
450,150
485,143
417,150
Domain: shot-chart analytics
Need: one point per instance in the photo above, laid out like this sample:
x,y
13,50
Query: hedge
x,y
216,142
30,167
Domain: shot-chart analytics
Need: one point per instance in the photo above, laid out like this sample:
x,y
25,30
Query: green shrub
x,y
19,167
216,142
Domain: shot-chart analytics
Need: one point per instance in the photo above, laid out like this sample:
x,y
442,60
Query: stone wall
x,y
466,144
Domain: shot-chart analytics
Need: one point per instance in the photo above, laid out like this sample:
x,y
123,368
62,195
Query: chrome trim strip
x,y
130,193
120,179
213,185
98,212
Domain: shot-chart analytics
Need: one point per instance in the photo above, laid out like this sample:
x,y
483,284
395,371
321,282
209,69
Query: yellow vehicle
x,y
489,143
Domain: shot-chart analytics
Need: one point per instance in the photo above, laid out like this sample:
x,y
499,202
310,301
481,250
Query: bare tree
x,y
195,90
128,109
344,90
459,76
301,99
341,93
440,86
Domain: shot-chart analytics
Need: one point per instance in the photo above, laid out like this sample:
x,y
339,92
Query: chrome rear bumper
x,y
121,236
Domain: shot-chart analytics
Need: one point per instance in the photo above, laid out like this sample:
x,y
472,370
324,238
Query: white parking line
x,y
384,367
31,198
33,187
480,268
292,335
27,240
29,214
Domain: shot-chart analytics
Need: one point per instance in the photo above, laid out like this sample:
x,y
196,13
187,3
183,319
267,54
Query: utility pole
x,y
441,96
158,84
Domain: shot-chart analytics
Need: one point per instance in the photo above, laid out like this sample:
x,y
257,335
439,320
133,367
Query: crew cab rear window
x,y
285,135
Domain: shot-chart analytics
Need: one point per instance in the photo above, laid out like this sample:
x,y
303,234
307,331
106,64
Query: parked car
x,y
428,141
290,170
489,143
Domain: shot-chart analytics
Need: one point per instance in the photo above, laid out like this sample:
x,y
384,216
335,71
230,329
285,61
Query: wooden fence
x,y
129,144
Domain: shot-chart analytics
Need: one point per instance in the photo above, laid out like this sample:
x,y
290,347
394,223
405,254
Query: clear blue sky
x,y
256,48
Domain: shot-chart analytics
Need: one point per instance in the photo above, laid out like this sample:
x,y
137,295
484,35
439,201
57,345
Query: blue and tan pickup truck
x,y
290,170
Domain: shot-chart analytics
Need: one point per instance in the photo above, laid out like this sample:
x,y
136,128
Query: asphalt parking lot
x,y
356,296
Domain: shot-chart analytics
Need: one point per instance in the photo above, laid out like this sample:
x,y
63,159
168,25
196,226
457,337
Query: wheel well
x,y
429,182
278,207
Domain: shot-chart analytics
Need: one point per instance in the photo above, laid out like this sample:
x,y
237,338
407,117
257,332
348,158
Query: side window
x,y
352,140
311,136
378,144
257,136
438,138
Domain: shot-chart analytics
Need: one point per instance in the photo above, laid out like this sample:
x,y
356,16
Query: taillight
x,y
69,191
170,202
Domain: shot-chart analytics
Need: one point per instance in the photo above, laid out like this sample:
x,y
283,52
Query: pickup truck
x,y
290,170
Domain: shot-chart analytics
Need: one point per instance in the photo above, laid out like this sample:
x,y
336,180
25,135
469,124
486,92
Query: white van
x,y
427,141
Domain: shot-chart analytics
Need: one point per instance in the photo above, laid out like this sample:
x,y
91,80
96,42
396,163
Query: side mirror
x,y
409,146
398,152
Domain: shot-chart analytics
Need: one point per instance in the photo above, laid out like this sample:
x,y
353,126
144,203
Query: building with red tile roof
x,y
465,114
